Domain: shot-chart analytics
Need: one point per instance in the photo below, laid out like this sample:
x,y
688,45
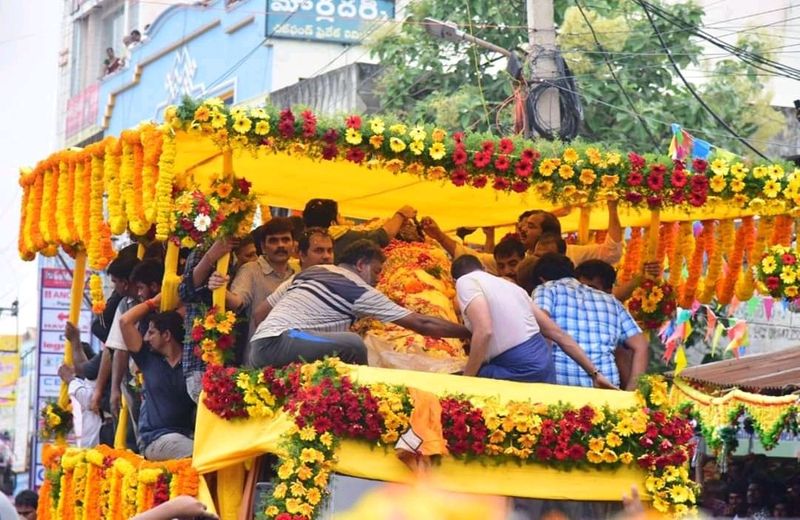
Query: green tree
x,y
459,86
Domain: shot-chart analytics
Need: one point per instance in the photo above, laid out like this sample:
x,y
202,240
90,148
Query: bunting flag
x,y
711,323
739,338
717,337
684,146
768,304
680,360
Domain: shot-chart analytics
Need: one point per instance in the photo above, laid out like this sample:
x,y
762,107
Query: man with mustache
x,y
257,280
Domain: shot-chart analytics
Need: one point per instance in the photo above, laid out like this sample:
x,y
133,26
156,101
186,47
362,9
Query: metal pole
x,y
542,39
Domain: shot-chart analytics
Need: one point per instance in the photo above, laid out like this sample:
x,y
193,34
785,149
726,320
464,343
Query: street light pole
x,y
542,39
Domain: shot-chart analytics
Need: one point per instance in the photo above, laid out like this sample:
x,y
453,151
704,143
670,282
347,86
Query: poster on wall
x,y
338,21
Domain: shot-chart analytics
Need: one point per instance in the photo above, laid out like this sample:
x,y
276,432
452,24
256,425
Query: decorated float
x,y
198,176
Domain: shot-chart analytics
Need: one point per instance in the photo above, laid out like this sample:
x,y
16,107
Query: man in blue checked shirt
x,y
596,320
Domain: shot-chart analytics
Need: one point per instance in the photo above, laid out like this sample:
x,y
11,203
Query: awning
x,y
771,372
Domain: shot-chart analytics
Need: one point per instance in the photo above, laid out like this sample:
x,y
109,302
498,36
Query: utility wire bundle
x,y
568,97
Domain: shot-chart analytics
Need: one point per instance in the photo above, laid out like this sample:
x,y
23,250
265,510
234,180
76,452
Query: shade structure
x,y
288,181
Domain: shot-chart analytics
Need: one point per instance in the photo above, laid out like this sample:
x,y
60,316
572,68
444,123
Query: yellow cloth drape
x,y
246,439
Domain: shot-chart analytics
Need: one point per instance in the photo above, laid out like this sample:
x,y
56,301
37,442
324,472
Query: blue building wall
x,y
189,49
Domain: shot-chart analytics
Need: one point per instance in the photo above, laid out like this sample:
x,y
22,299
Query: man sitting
x,y
309,318
596,320
166,419
506,338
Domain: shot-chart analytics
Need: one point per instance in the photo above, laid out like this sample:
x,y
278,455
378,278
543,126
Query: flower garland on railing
x,y
745,240
327,406
55,422
102,482
745,291
212,334
166,180
117,219
652,304
685,244
24,242
632,259
779,273
152,140
688,291
782,231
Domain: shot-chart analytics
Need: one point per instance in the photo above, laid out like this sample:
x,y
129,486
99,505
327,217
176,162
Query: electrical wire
x,y
614,75
569,103
691,89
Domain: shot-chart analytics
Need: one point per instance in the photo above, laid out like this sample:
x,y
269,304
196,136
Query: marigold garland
x,y
47,224
24,244
633,253
35,214
111,173
95,248
686,245
96,292
688,291
327,406
166,178
745,289
716,248
782,231
102,482
745,237
151,146
667,244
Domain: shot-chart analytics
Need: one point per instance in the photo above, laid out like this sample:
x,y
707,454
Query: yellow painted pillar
x,y
583,225
169,285
218,296
75,299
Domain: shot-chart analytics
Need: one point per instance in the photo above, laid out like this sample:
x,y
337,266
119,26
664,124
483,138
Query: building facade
x,y
240,51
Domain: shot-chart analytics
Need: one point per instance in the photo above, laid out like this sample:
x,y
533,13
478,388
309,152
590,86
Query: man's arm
x,y
119,366
456,249
433,327
638,344
232,300
614,225
481,320
128,323
552,331
103,375
78,355
206,265
394,224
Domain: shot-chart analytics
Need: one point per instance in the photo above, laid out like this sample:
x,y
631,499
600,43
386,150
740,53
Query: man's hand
x,y
407,212
72,333
220,248
66,373
602,381
115,401
181,507
632,506
431,228
217,280
96,402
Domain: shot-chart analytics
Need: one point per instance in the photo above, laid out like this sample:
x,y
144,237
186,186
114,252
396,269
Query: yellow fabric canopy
x,y
289,181
220,443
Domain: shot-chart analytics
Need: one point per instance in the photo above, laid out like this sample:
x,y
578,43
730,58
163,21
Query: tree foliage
x,y
459,86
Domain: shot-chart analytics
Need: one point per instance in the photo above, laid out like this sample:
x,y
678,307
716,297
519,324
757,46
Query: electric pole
x,y
542,39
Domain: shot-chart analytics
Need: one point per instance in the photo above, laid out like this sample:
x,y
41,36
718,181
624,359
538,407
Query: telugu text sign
x,y
340,21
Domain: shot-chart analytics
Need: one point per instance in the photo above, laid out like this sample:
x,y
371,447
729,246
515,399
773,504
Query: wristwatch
x,y
594,373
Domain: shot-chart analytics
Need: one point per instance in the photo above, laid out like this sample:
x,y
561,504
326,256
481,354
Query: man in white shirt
x,y
87,422
507,329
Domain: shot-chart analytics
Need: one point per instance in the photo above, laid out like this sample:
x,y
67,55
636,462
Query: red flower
x,y
658,168
523,168
309,124
480,181
773,283
699,184
244,186
678,178
637,161
699,166
506,145
284,516
634,304
501,183
520,186
654,201
488,146
460,156
481,159
198,332
655,181
788,259
697,199
286,124
633,197
577,452
329,152
355,155
502,163
635,178
529,154
543,453
458,137
225,342
330,136
459,176
678,197
354,122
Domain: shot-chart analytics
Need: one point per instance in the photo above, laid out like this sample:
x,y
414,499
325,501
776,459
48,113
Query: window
x,y
78,67
114,31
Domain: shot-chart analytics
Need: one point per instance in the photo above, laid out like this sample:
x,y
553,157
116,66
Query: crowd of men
x,y
299,284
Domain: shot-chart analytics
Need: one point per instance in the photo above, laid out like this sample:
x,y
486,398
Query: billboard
x,y
338,21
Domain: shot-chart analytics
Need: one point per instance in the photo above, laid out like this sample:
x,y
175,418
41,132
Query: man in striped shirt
x,y
310,317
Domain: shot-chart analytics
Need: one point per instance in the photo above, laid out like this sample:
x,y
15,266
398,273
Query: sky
x,y
29,44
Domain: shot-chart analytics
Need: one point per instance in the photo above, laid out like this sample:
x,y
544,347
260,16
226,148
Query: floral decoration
x,y
96,292
55,422
327,406
213,337
778,273
102,482
652,303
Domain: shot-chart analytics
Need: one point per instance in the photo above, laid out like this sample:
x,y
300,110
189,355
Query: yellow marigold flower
x,y
613,158
397,145
609,181
570,155
598,417
321,480
757,204
210,321
569,191
772,188
280,491
776,171
417,147
297,489
376,125
285,470
566,172
398,129
497,437
719,166
149,476
594,155
242,124
389,437
596,444
768,265
436,172
313,496
626,458
791,291
202,114
272,511
717,183
306,510
587,176
311,455
660,504
759,172
594,457
353,136
262,128
376,141
436,151
293,506
438,135
95,457
547,167
788,276
737,185
653,484
609,456
418,133
544,187
308,433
